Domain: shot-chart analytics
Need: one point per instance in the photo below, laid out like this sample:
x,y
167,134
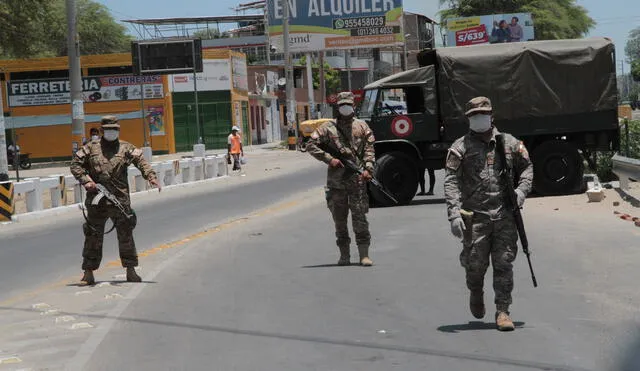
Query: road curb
x,y
36,215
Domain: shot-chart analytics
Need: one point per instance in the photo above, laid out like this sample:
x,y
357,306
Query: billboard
x,y
24,93
316,25
215,75
490,29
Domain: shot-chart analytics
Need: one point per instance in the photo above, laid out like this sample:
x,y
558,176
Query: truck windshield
x,y
368,104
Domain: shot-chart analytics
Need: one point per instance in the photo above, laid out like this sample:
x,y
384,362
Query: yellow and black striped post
x,y
63,190
6,201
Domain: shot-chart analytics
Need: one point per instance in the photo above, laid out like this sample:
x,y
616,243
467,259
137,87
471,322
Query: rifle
x,y
104,192
512,201
356,169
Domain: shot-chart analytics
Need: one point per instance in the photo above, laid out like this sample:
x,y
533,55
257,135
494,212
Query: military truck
x,y
559,97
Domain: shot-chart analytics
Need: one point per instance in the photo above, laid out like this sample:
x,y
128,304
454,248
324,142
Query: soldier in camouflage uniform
x,y
105,161
346,190
473,185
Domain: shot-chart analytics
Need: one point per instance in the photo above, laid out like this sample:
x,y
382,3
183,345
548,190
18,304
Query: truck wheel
x,y
557,168
398,173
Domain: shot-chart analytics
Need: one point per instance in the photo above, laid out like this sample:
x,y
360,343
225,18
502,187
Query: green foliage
x,y
605,164
554,19
21,26
210,34
331,76
635,71
42,29
632,49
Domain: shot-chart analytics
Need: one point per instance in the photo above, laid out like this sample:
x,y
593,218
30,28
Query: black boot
x,y
88,279
132,276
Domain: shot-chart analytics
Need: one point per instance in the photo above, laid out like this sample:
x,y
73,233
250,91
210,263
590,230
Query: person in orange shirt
x,y
234,147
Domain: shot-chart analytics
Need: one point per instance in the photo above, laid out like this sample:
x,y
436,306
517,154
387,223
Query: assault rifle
x,y
104,192
512,201
356,169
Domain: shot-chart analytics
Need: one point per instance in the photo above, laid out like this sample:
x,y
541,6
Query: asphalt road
x,y
262,292
50,250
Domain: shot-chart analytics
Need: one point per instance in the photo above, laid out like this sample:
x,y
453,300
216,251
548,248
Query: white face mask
x,y
346,110
95,137
480,123
111,135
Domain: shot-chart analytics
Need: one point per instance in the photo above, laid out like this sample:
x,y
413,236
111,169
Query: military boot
x,y
88,279
345,257
476,304
132,276
364,256
503,322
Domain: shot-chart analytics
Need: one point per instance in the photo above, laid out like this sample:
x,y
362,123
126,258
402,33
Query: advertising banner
x,y
490,29
215,76
239,73
317,25
96,89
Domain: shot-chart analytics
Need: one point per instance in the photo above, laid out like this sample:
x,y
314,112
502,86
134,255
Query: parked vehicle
x,y
559,97
24,162
306,128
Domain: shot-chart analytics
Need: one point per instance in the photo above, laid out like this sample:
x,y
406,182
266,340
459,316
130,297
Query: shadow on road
x,y
331,265
427,201
329,341
627,197
473,326
114,283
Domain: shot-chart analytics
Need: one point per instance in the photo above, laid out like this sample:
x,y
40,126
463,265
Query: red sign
x,y
473,35
401,126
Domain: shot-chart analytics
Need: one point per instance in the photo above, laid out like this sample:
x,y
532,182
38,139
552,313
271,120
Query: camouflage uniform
x,y
345,190
473,183
106,163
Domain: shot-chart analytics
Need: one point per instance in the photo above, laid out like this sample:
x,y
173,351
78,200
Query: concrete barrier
x,y
170,173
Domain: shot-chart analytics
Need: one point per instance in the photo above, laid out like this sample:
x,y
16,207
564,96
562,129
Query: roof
x,y
417,76
192,20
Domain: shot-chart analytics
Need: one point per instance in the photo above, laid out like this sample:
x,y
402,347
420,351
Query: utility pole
x,y
4,161
290,98
75,77
312,104
323,85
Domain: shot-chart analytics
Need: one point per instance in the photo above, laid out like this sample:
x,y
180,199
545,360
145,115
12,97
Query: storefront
x,y
36,97
222,95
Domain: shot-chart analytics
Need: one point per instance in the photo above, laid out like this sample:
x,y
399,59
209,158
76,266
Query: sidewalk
x,y
60,168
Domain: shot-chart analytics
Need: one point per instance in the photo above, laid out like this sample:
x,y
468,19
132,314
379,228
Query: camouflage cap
x,y
109,122
345,97
478,104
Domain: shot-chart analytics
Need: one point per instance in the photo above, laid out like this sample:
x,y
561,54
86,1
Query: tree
x,y
635,70
632,49
38,28
554,19
210,34
99,32
331,76
21,27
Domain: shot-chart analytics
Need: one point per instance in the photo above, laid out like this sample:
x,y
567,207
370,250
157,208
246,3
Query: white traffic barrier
x,y
169,173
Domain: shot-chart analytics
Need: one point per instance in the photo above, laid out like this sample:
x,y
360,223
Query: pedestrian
x,y
475,196
105,162
234,148
432,182
94,134
345,190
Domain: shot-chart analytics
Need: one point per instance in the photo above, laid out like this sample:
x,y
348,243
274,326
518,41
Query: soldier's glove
x,y
457,227
521,197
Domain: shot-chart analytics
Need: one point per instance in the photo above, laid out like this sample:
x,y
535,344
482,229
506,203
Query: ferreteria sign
x,y
316,25
25,93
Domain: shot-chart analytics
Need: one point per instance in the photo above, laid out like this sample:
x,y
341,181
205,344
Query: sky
x,y
615,18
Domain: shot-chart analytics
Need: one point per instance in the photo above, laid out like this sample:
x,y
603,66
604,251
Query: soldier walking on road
x,y
105,162
347,190
476,207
